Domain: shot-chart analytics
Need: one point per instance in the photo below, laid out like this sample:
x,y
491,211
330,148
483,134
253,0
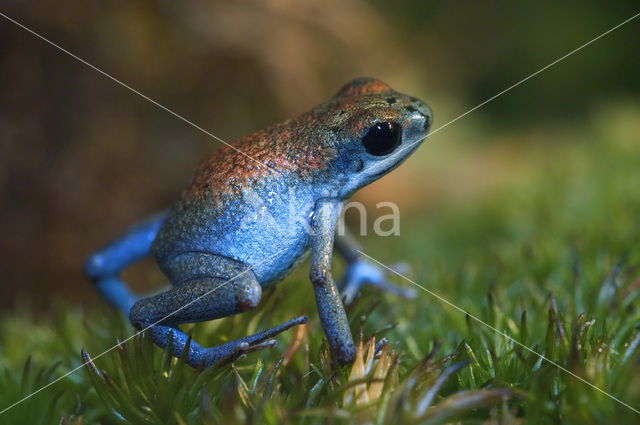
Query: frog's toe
x,y
349,290
362,273
380,345
402,268
246,348
241,350
385,285
234,350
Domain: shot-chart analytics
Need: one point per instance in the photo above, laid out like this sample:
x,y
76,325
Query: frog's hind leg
x,y
104,266
206,287
360,272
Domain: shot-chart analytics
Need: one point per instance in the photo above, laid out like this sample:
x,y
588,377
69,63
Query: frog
x,y
219,263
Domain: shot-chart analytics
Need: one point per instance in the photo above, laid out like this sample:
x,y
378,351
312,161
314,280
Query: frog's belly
x,y
271,251
271,236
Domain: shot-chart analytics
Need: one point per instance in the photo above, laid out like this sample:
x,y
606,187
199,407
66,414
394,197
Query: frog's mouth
x,y
372,176
379,174
396,158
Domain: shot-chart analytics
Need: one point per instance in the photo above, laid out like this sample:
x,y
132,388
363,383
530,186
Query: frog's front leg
x,y
330,308
361,272
206,287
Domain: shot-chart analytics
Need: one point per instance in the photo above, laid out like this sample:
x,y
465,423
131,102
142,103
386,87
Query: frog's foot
x,y
239,348
361,273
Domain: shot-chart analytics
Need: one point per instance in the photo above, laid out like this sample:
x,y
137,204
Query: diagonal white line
x,y
530,76
128,87
515,341
134,335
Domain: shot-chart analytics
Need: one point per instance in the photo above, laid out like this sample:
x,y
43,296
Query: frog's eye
x,y
382,138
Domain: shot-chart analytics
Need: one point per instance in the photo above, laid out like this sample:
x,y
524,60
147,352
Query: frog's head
x,y
377,128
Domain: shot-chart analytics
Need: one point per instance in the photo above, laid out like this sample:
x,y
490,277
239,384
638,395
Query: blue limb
x,y
221,354
105,265
361,272
207,287
330,308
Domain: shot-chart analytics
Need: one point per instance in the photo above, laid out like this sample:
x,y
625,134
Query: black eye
x,y
382,138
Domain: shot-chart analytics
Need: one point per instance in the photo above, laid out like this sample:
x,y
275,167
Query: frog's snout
x,y
421,117
423,121
426,116
427,121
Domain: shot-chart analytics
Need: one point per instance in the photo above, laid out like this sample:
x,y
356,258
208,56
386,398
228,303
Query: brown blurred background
x,y
81,158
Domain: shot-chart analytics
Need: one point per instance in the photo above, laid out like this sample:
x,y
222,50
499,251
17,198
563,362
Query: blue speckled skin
x,y
243,226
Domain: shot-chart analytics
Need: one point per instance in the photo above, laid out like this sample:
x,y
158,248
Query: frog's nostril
x,y
427,122
424,120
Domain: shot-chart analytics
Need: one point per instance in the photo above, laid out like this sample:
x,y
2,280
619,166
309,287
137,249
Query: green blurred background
x,y
81,158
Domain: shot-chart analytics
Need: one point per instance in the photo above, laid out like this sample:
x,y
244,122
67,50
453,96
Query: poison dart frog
x,y
254,210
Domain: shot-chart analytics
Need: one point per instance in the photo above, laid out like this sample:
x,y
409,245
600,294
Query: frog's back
x,y
252,202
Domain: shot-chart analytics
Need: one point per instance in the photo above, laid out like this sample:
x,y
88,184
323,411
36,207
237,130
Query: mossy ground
x,y
552,259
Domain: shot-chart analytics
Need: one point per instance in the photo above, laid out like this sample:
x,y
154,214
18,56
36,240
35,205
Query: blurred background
x,y
81,158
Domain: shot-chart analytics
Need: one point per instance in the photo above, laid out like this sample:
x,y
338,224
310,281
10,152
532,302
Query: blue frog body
x,y
255,209
268,229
